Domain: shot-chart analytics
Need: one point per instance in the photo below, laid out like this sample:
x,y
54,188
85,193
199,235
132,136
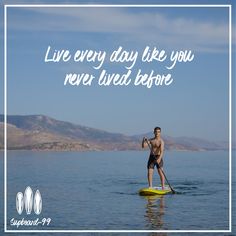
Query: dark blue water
x,y
98,190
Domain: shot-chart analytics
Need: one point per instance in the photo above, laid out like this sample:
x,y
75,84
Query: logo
x,y
29,202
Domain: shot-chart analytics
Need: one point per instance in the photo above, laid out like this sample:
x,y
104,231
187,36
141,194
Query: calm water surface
x,y
98,190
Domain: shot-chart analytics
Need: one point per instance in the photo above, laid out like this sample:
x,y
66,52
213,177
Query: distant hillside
x,y
44,133
189,143
39,132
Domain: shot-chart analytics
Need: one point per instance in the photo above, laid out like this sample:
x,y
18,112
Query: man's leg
x,y
150,174
162,177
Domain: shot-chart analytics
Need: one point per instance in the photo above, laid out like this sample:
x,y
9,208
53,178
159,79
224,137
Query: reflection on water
x,y
155,211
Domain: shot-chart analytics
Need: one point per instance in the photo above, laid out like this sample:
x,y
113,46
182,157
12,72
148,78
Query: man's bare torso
x,y
156,146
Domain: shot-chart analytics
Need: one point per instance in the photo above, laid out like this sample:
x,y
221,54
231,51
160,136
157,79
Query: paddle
x,y
172,190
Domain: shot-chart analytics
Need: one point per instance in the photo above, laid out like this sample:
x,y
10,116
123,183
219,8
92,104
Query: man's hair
x,y
157,128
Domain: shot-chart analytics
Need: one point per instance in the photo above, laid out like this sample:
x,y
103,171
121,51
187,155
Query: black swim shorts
x,y
152,162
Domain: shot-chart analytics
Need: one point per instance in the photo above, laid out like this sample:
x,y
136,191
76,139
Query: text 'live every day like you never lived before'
x,y
130,61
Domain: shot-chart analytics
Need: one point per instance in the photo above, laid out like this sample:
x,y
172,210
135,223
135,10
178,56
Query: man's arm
x,y
144,142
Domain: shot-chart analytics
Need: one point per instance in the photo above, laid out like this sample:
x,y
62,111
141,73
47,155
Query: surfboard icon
x,y
28,197
37,203
19,202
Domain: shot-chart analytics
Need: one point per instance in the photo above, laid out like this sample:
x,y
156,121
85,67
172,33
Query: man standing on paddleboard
x,y
156,145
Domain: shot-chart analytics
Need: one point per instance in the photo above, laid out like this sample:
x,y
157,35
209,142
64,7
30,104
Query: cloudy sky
x,y
195,104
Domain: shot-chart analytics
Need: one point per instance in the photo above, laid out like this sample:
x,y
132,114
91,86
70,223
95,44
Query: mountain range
x,y
40,132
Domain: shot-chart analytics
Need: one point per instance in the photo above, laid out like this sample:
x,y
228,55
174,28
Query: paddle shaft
x,y
173,191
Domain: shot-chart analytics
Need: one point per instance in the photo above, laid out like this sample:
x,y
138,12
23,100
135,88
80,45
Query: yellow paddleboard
x,y
154,191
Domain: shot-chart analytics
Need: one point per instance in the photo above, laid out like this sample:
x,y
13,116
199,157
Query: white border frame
x,y
5,120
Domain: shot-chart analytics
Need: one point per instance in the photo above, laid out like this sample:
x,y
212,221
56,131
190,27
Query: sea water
x,y
99,190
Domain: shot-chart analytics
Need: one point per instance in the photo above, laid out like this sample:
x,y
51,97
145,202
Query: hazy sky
x,y
194,104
